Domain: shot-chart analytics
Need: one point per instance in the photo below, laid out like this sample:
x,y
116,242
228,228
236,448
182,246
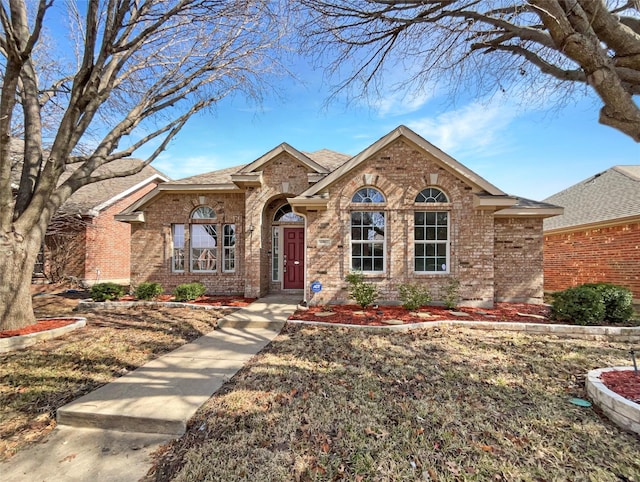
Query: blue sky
x,y
525,150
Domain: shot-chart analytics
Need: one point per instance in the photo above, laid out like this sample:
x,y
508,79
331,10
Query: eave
x,y
252,179
493,203
519,212
301,205
135,217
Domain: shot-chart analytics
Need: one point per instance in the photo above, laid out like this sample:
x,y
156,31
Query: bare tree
x,y
141,69
554,44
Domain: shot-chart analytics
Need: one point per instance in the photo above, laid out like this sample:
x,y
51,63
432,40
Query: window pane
x,y
275,250
203,212
367,240
229,248
356,264
356,250
204,240
431,241
177,239
368,195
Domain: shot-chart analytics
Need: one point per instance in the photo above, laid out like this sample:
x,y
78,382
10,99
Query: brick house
x,y
598,236
400,211
84,242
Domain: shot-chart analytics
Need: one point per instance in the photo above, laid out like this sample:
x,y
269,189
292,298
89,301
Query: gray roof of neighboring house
x,y
92,196
609,195
325,157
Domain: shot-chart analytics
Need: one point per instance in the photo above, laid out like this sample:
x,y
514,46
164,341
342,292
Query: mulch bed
x,y
354,315
625,383
43,325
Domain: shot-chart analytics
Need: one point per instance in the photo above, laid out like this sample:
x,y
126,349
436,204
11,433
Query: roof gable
x,y
607,196
444,159
275,152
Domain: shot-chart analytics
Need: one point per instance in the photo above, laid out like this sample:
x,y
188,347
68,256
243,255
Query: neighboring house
x,y
598,236
84,242
400,211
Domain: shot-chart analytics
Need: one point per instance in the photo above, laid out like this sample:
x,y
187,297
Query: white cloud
x,y
185,166
477,129
399,103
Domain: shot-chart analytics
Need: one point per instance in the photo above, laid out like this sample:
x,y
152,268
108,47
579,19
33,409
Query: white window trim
x,y
384,241
173,248
224,247
447,242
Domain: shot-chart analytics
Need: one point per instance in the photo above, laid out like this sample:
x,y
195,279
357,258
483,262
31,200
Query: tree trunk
x,y
17,259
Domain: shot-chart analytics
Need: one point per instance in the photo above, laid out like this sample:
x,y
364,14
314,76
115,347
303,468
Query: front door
x,y
293,262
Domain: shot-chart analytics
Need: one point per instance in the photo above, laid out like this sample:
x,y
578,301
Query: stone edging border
x,y
624,413
86,305
23,341
610,333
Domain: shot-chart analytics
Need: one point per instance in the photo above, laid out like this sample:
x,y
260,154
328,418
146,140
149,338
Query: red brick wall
x,y
401,171
151,243
108,243
609,254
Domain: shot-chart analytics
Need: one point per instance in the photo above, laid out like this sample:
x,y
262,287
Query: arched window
x,y
431,195
368,195
203,212
286,215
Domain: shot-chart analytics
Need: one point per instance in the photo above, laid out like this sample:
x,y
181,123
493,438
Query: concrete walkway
x,y
109,434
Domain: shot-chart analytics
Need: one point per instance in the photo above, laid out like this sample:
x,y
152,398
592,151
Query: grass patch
x,y
442,404
36,381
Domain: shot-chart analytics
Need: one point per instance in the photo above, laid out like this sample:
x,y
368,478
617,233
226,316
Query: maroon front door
x,y
293,258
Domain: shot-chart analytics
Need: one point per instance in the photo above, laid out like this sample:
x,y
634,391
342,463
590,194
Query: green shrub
x,y
413,296
106,291
189,291
618,301
363,293
581,305
148,291
452,294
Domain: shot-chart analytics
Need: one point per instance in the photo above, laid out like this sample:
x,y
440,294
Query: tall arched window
x,y
368,233
431,233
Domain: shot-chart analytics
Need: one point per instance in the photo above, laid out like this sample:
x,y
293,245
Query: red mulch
x,y
42,325
625,383
352,314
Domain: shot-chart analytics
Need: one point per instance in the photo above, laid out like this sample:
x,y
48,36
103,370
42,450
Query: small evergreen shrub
x,y
413,296
363,293
581,305
189,291
618,301
106,291
452,294
148,291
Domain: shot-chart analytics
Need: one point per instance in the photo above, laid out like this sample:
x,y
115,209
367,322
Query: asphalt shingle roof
x,y
609,195
325,157
93,195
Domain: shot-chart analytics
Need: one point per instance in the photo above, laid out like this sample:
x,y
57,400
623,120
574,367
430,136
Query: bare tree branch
x,y
588,42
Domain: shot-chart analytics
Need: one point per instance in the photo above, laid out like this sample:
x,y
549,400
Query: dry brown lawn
x,y
332,404
35,381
